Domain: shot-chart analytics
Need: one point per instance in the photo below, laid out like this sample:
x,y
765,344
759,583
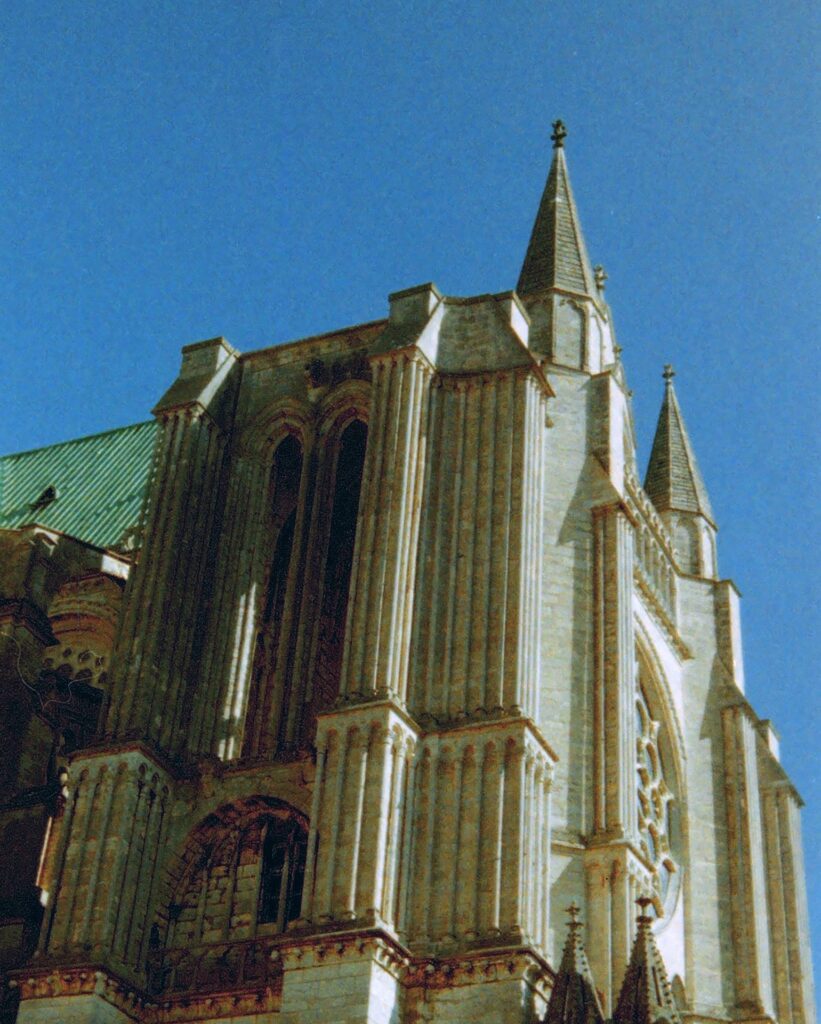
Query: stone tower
x,y
368,656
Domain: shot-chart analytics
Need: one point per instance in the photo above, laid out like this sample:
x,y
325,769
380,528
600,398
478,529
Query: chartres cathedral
x,y
367,684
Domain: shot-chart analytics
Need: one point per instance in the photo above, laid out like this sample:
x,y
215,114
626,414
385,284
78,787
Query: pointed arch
x,y
339,544
661,777
221,868
285,489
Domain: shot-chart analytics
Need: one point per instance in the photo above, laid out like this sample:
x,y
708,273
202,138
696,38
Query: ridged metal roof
x,y
100,483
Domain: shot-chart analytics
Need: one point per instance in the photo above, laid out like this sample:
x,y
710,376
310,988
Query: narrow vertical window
x,y
337,574
282,873
286,474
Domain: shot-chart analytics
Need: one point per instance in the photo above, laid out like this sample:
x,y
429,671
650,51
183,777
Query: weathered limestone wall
x,y
71,1009
706,881
565,712
356,983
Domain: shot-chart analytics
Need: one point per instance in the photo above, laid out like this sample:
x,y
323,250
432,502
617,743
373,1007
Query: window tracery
x,y
655,800
240,875
284,850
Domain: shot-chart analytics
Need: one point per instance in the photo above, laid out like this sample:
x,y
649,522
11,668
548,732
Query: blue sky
x,y
267,171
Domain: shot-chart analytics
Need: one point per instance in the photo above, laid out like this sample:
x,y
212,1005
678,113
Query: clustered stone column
x,y
476,636
165,602
382,586
358,821
789,923
356,830
101,869
240,573
482,802
615,875
745,843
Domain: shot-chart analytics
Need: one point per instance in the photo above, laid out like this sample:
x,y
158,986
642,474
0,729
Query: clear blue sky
x,y
267,171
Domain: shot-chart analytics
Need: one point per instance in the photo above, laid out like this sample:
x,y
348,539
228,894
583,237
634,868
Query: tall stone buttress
x,y
396,660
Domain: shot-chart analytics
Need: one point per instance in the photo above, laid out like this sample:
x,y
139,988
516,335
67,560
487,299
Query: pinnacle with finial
x,y
643,902
669,373
601,276
559,134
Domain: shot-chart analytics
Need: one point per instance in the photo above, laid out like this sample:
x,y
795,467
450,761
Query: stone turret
x,y
564,295
676,487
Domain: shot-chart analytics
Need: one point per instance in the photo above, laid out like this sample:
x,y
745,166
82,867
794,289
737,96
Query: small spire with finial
x,y
559,134
643,903
668,374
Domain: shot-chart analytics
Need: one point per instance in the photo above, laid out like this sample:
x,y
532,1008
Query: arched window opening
x,y
284,851
237,884
337,575
286,475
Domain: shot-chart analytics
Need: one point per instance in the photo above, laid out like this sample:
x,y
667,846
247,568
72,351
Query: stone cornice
x,y
500,724
172,768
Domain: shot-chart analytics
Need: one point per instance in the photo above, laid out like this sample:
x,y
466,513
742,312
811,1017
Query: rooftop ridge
x,y
76,440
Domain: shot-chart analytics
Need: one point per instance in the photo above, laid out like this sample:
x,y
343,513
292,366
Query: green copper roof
x,y
99,482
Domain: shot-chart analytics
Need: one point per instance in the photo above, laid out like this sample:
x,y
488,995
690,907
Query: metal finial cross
x,y
559,134
669,373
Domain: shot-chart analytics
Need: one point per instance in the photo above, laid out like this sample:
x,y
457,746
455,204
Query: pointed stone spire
x,y
674,482
646,996
557,256
574,999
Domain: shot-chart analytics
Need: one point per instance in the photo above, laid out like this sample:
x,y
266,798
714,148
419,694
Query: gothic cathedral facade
x,y
329,693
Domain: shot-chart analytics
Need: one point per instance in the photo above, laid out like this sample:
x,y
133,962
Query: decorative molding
x,y
657,612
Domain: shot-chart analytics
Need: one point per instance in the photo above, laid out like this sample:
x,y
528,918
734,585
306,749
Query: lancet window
x,y
655,799
300,627
336,574
284,849
285,481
